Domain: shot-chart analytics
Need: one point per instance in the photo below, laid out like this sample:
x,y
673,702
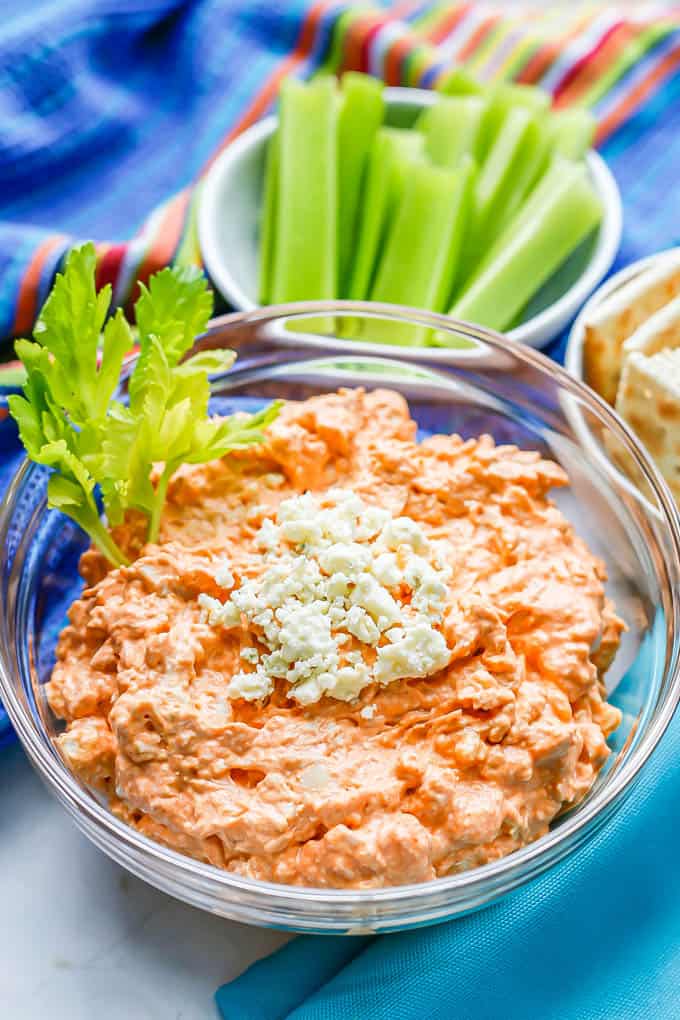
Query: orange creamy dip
x,y
441,773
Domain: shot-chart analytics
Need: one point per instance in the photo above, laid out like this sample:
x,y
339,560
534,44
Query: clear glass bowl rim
x,y
461,891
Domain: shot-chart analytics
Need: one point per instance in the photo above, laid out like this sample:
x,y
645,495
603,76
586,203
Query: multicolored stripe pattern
x,y
227,62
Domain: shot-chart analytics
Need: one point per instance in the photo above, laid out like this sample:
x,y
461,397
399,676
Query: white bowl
x,y
229,211
573,362
573,355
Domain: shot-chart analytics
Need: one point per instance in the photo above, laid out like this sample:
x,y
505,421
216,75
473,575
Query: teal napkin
x,y
595,938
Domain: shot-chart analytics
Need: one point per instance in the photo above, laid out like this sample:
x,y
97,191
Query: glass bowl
x,y
484,384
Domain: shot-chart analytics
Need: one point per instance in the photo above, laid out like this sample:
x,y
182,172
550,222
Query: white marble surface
x,y
81,938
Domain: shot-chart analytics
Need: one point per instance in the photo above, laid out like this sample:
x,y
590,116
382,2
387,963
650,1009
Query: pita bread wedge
x,y
649,400
619,316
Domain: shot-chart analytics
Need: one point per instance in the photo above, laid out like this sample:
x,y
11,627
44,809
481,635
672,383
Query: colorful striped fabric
x,y
107,107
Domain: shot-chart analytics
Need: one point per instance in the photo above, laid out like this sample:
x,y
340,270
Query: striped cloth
x,y
107,107
112,108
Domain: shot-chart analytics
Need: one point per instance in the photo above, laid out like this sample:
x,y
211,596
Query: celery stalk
x,y
451,128
564,217
461,209
421,255
553,177
497,175
305,261
532,98
384,181
502,183
268,225
501,100
529,169
460,83
361,114
572,132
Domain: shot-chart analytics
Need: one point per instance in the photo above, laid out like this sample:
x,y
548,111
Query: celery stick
x,y
405,147
532,98
528,170
558,171
502,99
466,173
497,175
502,182
268,225
460,83
572,132
420,258
361,114
373,215
532,253
305,261
451,128
382,190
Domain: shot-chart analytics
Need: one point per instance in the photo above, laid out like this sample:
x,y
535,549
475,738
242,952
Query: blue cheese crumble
x,y
350,596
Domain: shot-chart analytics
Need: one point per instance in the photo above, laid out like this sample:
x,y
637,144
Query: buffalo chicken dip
x,y
352,660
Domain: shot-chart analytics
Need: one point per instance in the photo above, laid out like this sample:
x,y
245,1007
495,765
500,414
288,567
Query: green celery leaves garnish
x,y
68,420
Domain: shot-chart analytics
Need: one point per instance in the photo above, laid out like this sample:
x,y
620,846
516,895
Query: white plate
x,y
229,211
